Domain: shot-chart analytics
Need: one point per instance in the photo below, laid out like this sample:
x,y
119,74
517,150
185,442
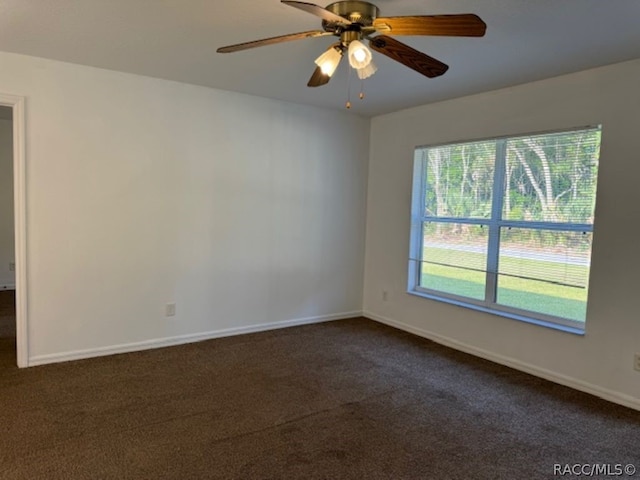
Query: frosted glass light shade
x,y
329,61
367,71
359,54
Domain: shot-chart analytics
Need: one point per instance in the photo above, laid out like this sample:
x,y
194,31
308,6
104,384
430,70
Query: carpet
x,y
349,399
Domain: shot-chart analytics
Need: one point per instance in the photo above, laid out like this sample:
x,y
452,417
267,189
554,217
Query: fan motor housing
x,y
360,13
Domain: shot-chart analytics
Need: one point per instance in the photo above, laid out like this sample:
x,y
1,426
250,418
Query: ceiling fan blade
x,y
318,11
408,56
271,41
464,25
318,78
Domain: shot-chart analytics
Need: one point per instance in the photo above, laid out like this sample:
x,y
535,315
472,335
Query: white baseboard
x,y
182,339
7,286
610,395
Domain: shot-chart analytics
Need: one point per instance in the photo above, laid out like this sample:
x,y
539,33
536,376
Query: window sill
x,y
501,313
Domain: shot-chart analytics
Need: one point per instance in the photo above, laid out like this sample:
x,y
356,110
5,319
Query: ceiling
x,y
526,40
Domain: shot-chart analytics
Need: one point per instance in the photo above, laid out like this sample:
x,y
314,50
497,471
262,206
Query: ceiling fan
x,y
354,21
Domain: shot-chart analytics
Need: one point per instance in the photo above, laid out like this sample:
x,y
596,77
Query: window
x,y
506,225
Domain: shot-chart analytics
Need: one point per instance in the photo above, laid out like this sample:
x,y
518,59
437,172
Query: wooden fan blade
x,y
271,41
318,78
408,56
464,25
318,11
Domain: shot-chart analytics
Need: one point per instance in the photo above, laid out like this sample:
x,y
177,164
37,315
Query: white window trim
x,y
494,222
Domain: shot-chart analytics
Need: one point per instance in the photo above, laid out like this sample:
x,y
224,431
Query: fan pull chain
x,y
348,104
361,95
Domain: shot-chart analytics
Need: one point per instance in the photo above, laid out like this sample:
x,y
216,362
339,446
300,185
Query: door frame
x,y
17,104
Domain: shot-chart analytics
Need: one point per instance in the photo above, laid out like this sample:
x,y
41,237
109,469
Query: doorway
x,y
13,258
7,239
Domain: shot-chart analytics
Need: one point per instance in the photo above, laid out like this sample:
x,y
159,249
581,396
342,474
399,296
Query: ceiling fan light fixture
x,y
353,21
367,71
359,55
329,60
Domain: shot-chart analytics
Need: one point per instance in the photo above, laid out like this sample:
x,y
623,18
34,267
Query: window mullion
x,y
494,223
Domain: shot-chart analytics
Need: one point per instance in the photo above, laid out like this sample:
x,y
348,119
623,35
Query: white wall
x,y
247,211
242,210
600,361
7,276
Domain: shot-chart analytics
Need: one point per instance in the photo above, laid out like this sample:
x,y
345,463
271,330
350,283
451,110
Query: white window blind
x,y
507,224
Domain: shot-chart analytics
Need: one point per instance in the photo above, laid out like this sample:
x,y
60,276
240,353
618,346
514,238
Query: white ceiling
x,y
176,39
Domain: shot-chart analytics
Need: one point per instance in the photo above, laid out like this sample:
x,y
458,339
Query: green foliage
x,y
526,294
552,178
516,271
459,180
548,178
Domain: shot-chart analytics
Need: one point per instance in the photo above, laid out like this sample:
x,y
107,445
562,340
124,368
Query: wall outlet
x,y
170,310
636,362
12,267
385,295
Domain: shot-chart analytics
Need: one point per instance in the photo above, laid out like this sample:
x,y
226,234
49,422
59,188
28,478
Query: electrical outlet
x,y
170,310
12,267
385,295
636,362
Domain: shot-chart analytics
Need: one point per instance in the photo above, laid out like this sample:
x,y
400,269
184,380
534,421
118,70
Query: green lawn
x,y
527,294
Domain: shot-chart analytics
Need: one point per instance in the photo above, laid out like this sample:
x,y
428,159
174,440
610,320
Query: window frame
x,y
494,223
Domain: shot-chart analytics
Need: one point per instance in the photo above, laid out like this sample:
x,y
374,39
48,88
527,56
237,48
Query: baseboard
x,y
610,395
8,286
182,339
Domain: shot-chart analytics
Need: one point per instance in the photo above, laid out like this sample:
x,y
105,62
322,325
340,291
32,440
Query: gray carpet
x,y
349,399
